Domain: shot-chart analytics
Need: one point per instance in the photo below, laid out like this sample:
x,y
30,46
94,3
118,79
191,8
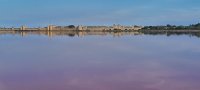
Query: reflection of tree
x,y
171,33
71,35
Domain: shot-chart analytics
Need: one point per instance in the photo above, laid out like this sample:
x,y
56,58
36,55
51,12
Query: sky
x,y
98,12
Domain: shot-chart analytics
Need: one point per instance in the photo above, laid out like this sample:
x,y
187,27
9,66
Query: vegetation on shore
x,y
173,27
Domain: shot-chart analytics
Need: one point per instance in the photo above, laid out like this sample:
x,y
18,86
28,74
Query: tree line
x,y
173,27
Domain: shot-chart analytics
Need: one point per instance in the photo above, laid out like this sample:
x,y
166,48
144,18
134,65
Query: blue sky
x,y
98,12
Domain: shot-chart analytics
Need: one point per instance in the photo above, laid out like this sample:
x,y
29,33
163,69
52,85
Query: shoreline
x,y
142,30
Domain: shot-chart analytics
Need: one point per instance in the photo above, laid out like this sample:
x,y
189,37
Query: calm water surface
x,y
94,62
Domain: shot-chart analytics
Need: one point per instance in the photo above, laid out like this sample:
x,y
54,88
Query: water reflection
x,y
142,62
85,33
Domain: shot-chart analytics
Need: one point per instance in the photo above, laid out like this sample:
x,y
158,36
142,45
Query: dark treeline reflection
x,y
88,33
171,33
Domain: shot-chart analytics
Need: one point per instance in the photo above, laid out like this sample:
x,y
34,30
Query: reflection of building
x,y
23,34
80,34
50,34
69,33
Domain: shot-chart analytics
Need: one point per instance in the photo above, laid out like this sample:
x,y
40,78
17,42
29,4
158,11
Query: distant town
x,y
115,27
76,28
115,30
